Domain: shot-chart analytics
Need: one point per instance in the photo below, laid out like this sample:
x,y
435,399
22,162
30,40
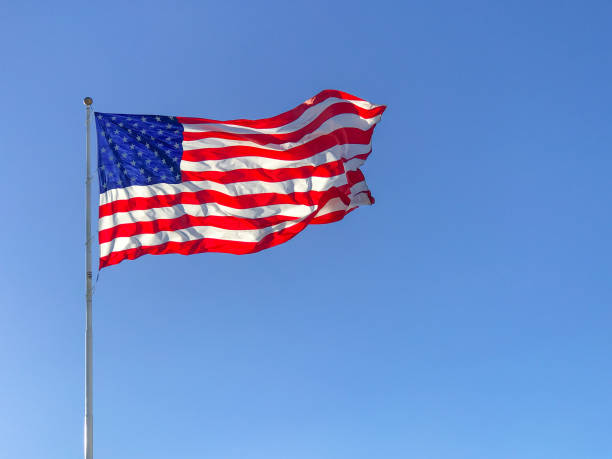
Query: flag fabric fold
x,y
190,185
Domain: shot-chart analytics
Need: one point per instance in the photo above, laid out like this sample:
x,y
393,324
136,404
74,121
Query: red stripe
x,y
338,137
331,217
264,139
362,156
266,175
309,198
355,176
187,221
279,120
199,246
218,245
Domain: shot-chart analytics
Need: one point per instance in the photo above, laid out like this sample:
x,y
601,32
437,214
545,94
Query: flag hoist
x,y
88,428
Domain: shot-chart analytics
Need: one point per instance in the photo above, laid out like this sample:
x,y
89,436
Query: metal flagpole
x,y
88,428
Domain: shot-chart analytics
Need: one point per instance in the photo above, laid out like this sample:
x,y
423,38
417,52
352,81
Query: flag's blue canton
x,y
138,150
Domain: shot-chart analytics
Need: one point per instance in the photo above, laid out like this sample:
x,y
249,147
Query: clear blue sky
x,y
467,314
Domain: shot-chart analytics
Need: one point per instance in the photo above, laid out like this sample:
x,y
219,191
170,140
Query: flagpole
x,y
88,428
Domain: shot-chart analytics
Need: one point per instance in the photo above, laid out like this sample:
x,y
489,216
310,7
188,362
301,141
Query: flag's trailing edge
x,y
189,185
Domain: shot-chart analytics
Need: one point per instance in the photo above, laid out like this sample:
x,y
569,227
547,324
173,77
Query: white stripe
x,y
353,164
359,187
333,205
336,204
358,198
305,118
215,209
199,232
190,234
232,189
345,120
204,210
257,162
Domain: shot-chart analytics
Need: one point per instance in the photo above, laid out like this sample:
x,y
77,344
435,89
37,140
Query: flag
x,y
190,185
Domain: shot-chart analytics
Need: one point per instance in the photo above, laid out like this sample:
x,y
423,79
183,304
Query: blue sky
x,y
465,315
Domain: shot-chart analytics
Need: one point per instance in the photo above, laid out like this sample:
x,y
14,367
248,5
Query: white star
x,y
176,145
160,131
140,154
132,147
141,170
164,160
148,146
158,118
133,163
163,177
116,147
99,117
178,176
142,131
139,138
148,161
177,131
172,168
135,125
155,169
124,155
129,131
125,139
148,179
168,126
116,131
143,119
171,117
120,124
107,124
168,139
103,149
102,167
114,118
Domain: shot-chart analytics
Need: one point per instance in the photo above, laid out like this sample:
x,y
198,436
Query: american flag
x,y
189,185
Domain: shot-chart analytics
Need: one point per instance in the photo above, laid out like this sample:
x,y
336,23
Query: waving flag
x,y
189,185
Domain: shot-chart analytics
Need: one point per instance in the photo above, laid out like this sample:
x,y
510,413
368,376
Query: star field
x,y
138,150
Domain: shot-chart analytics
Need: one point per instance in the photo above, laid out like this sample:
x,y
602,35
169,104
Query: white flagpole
x,y
88,428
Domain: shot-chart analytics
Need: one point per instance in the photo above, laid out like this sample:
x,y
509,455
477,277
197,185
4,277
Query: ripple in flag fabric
x,y
190,185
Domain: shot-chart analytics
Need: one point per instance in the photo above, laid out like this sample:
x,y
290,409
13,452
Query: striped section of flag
x,y
190,185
